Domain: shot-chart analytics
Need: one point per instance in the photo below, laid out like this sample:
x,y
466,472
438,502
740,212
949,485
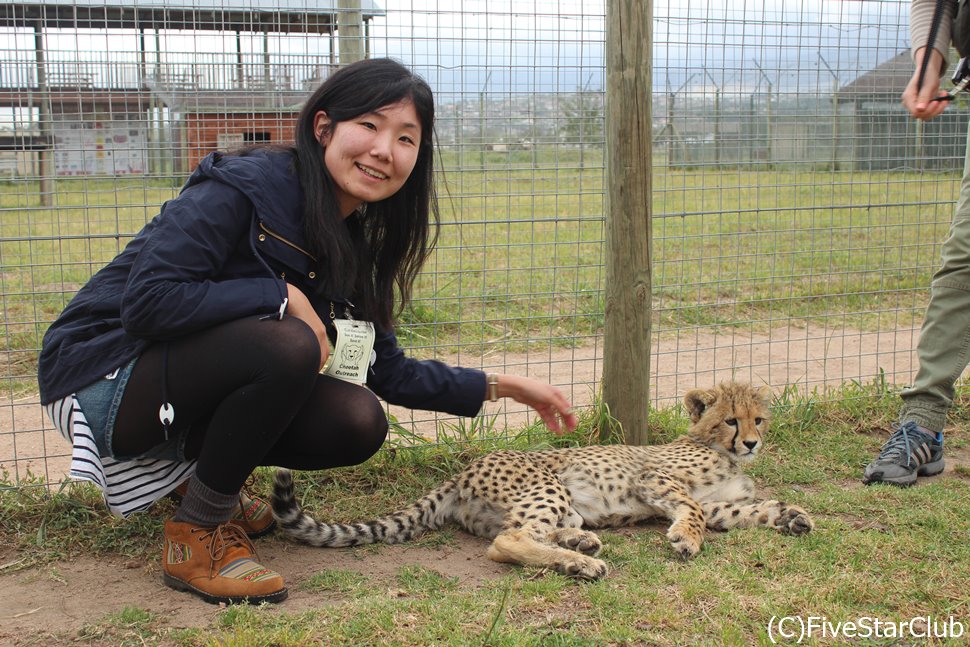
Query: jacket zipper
x,y
283,240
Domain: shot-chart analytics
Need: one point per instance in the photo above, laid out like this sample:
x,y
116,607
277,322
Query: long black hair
x,y
380,248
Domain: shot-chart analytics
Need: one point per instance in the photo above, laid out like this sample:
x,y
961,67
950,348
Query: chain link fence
x,y
797,210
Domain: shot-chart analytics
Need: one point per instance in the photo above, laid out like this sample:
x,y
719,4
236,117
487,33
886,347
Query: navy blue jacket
x,y
224,249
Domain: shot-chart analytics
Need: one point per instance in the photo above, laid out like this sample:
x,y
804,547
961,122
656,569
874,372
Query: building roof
x,y
241,101
296,16
887,79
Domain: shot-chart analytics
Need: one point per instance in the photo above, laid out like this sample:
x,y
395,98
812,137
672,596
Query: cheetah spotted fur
x,y
535,505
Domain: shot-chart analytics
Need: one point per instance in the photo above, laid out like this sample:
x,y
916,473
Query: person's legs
x,y
944,342
916,448
235,389
339,424
246,393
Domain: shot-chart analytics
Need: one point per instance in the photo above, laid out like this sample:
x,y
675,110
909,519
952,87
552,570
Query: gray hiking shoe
x,y
909,452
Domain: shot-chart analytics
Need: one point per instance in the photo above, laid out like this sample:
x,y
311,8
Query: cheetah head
x,y
730,418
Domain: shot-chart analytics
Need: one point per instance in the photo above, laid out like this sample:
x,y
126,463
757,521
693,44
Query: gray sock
x,y
203,506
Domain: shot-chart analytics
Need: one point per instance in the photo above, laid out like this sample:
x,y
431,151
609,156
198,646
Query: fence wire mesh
x,y
796,218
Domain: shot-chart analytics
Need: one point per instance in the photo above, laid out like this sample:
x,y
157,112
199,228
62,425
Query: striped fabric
x,y
247,569
256,509
128,486
177,553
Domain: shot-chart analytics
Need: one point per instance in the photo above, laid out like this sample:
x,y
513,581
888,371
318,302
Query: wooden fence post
x,y
626,361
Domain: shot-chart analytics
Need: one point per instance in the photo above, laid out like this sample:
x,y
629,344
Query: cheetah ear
x,y
697,401
764,395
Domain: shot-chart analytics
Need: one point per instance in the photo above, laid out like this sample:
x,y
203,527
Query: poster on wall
x,y
100,148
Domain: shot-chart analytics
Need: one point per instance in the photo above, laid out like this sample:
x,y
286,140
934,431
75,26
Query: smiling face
x,y
371,156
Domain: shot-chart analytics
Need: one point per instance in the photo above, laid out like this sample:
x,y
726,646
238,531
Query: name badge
x,y
351,355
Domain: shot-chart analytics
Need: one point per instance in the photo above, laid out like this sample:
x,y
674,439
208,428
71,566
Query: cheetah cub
x,y
536,504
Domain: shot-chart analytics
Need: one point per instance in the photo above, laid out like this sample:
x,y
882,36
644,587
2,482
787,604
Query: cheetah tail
x,y
429,512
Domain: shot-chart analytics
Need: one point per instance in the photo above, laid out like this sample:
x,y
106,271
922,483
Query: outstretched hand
x,y
551,405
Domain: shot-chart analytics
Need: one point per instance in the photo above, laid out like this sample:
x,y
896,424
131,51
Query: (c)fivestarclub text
x,y
796,629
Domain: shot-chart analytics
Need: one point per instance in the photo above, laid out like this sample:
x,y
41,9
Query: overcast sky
x,y
797,44
521,46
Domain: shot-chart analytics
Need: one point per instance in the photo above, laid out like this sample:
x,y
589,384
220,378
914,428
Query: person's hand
x,y
299,306
553,408
920,103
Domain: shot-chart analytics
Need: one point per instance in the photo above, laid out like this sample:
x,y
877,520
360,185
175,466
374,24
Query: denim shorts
x,y
100,402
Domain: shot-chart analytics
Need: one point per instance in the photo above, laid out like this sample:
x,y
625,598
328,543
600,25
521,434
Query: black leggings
x,y
248,393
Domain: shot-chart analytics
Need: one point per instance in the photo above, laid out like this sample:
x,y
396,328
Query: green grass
x,y
520,260
876,552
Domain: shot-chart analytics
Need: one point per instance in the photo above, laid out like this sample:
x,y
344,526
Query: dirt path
x,y
58,598
806,357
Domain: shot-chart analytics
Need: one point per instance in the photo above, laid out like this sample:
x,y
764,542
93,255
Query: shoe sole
x,y
179,585
901,481
927,469
931,469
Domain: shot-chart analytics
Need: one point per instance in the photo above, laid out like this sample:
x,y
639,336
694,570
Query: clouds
x,y
504,46
784,38
496,46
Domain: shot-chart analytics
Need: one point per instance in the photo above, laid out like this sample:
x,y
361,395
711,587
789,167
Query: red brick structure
x,y
203,132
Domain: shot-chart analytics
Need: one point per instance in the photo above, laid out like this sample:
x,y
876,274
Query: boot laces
x,y
219,540
246,496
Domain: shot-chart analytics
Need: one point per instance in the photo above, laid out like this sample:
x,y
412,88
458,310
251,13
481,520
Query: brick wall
x,y
203,133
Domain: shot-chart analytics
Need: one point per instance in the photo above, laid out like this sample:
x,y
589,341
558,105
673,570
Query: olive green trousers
x,y
944,341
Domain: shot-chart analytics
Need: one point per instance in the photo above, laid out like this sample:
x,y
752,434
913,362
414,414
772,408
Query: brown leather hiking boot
x,y
253,515
217,564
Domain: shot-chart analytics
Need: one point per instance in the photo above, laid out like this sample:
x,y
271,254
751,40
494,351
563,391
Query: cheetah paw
x,y
684,545
794,521
581,541
582,567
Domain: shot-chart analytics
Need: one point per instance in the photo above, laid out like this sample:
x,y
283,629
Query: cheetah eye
x,y
758,421
732,422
